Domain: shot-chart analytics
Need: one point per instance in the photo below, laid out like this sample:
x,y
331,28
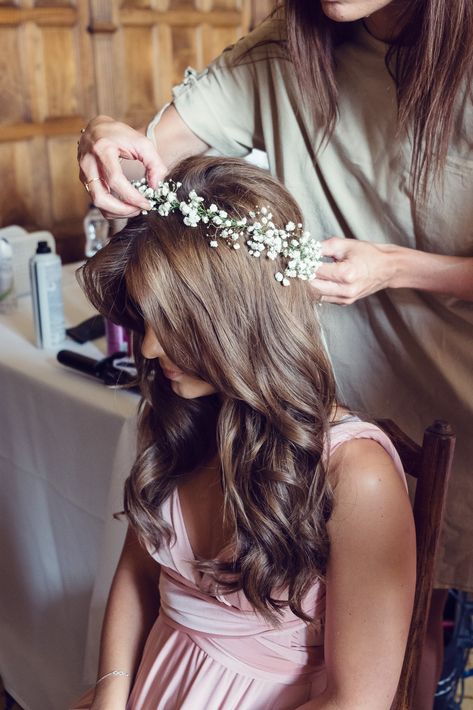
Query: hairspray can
x,y
46,291
117,338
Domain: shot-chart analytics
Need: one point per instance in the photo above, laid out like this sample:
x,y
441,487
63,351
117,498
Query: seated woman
x,y
275,524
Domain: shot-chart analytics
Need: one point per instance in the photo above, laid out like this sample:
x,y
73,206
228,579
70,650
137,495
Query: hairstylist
x,y
364,108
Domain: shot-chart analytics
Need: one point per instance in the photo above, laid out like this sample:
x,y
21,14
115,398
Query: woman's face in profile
x,y
350,10
182,384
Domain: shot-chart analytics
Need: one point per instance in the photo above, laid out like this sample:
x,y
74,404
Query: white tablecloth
x,y
66,444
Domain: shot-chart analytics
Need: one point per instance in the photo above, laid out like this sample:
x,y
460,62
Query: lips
x,y
171,374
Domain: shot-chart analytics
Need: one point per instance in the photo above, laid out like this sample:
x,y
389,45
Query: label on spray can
x,y
46,291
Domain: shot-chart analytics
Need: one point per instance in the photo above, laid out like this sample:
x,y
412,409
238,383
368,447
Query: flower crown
x,y
260,235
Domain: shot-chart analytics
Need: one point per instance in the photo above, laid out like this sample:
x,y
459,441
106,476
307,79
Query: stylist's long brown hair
x,y
431,60
221,315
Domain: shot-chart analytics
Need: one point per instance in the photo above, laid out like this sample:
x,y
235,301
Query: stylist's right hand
x,y
102,145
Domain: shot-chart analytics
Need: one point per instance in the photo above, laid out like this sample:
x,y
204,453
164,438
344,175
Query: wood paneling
x,y
54,3
25,183
64,61
62,78
212,39
261,9
139,100
67,194
49,14
13,106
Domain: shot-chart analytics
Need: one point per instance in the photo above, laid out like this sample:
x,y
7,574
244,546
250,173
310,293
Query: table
x,y
66,445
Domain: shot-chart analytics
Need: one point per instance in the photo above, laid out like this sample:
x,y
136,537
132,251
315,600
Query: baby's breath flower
x,y
303,255
164,209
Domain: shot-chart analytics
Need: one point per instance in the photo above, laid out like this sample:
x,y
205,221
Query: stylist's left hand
x,y
358,269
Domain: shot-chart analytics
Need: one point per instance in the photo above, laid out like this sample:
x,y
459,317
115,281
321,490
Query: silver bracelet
x,y
114,673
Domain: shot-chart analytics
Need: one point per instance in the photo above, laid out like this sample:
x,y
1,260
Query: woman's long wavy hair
x,y
431,61
220,315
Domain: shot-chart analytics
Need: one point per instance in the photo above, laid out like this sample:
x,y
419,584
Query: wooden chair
x,y
430,464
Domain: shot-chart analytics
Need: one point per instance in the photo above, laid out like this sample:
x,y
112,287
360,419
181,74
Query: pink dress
x,y
209,652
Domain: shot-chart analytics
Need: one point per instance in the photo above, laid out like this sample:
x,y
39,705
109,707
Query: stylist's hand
x,y
103,143
359,269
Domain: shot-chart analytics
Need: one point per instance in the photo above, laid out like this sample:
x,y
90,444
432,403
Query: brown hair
x,y
221,315
431,61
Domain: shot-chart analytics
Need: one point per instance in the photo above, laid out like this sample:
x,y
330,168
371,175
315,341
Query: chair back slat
x,y
431,465
409,452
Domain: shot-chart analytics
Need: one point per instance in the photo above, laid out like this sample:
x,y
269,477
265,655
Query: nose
x,y
151,347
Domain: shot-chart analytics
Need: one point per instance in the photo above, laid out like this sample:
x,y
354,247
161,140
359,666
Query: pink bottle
x,y
117,338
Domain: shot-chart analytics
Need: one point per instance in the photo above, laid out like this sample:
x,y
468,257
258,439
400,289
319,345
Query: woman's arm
x,y
132,608
370,580
361,268
105,141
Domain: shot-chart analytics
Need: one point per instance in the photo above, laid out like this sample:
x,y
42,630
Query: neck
x,y
386,23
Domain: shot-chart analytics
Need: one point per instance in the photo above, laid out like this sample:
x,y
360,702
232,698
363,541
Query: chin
x,y
342,12
191,390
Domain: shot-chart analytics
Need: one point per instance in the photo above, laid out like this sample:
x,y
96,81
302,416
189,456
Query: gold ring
x,y
86,184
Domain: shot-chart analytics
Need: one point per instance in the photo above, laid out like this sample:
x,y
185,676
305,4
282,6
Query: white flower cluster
x,y
303,254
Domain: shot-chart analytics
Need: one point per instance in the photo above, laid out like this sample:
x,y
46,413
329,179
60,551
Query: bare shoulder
x,y
362,461
367,485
